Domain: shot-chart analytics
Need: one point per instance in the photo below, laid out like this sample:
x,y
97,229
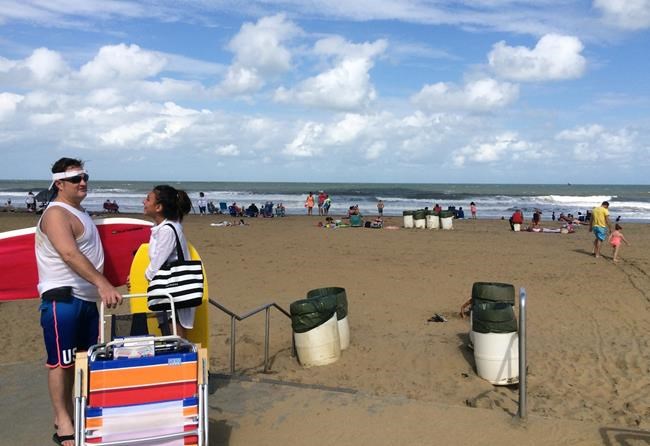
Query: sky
x,y
427,91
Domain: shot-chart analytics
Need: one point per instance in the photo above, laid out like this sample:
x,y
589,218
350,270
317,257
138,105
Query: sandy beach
x,y
588,319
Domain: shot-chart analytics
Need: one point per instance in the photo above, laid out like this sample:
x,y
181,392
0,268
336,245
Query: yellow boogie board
x,y
200,334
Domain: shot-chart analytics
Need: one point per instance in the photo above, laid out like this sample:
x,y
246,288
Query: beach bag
x,y
182,279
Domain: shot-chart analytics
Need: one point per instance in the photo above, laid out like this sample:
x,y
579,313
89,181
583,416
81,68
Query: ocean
x,y
631,202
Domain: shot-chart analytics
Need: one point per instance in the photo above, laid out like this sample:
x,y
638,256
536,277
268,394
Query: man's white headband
x,y
66,174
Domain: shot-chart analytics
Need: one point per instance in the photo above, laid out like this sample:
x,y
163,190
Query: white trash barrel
x,y
433,221
344,333
497,357
516,227
320,345
420,219
447,223
408,219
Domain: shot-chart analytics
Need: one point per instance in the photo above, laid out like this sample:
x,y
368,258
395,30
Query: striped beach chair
x,y
142,390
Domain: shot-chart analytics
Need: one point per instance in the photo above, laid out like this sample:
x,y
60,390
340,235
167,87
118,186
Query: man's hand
x,y
109,295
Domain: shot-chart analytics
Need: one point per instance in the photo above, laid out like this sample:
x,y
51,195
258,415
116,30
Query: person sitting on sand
x,y
516,218
354,210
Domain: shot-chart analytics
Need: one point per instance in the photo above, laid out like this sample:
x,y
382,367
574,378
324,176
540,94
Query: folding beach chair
x,y
223,207
149,390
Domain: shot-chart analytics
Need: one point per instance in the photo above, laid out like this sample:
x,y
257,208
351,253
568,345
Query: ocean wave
x,y
593,200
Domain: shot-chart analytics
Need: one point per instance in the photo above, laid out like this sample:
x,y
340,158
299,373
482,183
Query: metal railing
x,y
522,354
267,324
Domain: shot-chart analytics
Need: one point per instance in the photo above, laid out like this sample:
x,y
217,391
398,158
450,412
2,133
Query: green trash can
x,y
446,220
341,310
310,313
494,292
493,317
315,330
420,219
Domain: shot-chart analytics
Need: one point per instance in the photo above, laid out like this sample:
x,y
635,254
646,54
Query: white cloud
x,y
42,68
8,103
260,45
305,144
507,145
626,14
375,150
594,142
555,57
227,150
122,62
46,118
346,130
46,65
240,80
150,131
479,95
347,85
259,53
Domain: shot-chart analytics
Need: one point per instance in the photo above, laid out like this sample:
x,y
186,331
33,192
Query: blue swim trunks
x,y
600,232
68,326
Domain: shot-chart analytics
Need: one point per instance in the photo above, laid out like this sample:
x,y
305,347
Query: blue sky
x,y
499,91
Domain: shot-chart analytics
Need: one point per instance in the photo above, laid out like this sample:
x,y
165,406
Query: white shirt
x,y
162,246
53,272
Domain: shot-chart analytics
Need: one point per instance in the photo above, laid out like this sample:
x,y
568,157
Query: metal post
x,y
267,323
232,345
522,354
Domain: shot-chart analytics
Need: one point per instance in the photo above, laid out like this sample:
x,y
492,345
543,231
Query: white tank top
x,y
53,272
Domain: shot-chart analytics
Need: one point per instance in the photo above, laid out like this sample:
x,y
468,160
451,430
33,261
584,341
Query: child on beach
x,y
615,239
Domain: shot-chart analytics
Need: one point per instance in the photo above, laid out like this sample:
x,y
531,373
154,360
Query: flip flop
x,y
60,439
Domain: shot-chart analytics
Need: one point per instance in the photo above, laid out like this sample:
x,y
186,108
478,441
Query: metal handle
x,y
522,354
102,310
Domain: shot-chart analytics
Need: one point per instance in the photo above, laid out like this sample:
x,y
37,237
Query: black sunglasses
x,y
77,178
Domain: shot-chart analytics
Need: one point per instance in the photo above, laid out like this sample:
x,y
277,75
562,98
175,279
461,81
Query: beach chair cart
x,y
141,390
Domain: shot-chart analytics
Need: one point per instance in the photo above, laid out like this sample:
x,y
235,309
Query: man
x,y
599,224
70,261
30,202
202,202
380,208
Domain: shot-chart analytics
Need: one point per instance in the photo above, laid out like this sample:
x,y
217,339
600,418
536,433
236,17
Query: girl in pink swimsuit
x,y
615,239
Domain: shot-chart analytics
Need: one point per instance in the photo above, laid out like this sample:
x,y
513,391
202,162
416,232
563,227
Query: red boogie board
x,y
121,238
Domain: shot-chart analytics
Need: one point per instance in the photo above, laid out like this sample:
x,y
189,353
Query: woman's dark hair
x,y
618,227
175,203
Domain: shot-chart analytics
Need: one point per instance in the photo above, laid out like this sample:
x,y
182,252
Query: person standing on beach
x,y
30,202
166,206
202,203
599,224
70,261
472,209
321,200
615,239
326,205
309,203
380,208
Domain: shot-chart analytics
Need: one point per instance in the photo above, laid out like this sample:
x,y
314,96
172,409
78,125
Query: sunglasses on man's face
x,y
77,178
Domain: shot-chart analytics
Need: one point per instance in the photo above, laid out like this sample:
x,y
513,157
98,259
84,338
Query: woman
x,y
472,208
167,206
309,203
